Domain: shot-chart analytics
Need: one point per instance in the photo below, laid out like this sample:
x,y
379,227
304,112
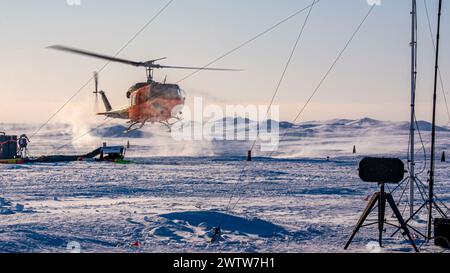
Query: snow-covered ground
x,y
176,192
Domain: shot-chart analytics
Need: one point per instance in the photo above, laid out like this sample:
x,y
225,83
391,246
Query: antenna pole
x,y
412,163
433,131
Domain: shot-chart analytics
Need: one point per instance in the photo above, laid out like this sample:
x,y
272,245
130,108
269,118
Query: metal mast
x,y
431,201
412,163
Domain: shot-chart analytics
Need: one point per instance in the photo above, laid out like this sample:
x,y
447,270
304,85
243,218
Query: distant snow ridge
x,y
365,122
423,126
117,131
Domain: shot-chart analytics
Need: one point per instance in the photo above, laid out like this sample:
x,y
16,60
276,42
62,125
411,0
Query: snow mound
x,y
7,207
230,223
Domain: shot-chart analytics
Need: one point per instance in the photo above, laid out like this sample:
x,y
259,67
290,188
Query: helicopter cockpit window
x,y
166,91
137,86
182,93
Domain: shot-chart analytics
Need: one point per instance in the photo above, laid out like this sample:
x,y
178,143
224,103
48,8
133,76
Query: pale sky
x,y
372,78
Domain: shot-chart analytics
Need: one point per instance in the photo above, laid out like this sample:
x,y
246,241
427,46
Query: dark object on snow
x,y
249,155
8,146
136,244
381,170
67,158
216,235
112,153
443,157
442,232
107,153
354,149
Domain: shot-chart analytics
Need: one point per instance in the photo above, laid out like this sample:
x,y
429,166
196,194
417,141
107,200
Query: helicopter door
x,y
134,110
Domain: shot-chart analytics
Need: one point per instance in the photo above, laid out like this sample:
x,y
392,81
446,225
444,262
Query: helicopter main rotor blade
x,y
96,55
195,68
149,64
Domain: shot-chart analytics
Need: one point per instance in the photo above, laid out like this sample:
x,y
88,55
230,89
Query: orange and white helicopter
x,y
149,101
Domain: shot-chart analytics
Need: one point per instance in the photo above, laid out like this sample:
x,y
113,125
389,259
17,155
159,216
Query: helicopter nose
x,y
177,110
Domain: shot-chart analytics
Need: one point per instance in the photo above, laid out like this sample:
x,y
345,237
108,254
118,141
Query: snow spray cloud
x,y
374,2
255,123
73,2
79,121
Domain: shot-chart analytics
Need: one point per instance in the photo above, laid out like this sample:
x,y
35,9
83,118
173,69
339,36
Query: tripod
x,y
405,184
380,198
425,205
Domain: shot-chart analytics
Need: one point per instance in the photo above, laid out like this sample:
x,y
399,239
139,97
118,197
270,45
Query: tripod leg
x,y
410,218
369,208
381,217
402,222
439,209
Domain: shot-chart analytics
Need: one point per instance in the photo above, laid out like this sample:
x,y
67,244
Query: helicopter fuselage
x,y
149,102
155,102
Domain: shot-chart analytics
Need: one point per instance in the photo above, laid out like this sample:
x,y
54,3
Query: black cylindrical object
x,y
442,232
8,146
381,170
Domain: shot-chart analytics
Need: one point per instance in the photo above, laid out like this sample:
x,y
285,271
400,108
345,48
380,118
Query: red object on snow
x,y
136,244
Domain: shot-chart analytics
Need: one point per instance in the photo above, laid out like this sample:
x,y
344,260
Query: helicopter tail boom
x,y
106,102
122,113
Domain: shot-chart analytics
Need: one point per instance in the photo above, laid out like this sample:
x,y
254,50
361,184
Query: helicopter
x,y
149,101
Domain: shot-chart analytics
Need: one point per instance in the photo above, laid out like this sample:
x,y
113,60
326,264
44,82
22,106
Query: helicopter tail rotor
x,y
96,82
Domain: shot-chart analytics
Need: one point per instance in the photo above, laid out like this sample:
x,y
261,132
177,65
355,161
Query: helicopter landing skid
x,y
170,124
134,126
